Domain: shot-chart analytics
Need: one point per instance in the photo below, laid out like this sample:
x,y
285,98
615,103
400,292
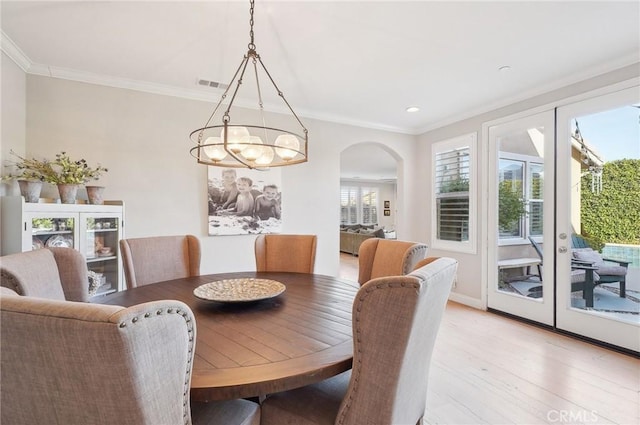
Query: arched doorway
x,y
368,197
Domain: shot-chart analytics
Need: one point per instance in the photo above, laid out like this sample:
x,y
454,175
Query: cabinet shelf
x,y
96,259
51,232
103,293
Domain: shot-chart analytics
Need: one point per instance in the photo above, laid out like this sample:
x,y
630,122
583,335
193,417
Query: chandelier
x,y
256,145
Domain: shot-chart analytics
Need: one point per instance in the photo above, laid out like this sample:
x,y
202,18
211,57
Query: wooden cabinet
x,y
93,230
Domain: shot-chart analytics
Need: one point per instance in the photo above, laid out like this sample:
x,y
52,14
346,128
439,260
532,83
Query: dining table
x,y
251,348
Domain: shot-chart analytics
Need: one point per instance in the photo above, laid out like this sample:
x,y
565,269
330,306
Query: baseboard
x,y
468,301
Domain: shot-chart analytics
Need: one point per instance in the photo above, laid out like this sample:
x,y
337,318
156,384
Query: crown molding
x,y
23,61
16,54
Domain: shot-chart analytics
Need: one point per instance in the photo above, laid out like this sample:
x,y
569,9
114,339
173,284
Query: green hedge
x,y
613,215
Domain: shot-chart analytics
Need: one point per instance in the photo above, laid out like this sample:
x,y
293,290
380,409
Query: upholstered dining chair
x,y
54,273
395,322
158,258
79,363
385,257
286,253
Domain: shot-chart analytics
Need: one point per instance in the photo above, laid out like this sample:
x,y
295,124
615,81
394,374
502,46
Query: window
x,y
348,205
520,193
453,222
358,205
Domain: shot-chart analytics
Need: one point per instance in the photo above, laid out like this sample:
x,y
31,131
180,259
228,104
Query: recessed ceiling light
x,y
413,109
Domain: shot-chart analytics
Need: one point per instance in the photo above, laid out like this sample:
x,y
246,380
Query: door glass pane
x,y
605,213
510,198
520,211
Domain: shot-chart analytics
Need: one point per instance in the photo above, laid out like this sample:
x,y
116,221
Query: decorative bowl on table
x,y
239,290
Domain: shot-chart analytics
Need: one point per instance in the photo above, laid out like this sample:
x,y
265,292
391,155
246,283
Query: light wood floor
x,y
488,369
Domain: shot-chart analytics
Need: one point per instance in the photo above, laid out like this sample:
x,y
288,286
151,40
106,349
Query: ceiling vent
x,y
213,84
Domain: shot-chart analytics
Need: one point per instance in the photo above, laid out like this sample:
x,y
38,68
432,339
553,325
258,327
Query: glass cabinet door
x,y
50,230
99,243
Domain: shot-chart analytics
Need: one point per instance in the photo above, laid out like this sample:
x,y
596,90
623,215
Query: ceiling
x,y
353,62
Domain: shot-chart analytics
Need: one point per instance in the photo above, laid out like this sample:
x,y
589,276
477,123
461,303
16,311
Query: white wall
x,y
12,118
472,268
143,139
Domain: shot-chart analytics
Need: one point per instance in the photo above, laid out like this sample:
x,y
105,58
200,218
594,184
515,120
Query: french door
x,y
521,209
548,191
595,137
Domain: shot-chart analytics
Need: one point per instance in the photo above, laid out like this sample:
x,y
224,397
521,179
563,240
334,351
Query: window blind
x,y
452,174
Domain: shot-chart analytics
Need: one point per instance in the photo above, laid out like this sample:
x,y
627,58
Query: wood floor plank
x,y
491,369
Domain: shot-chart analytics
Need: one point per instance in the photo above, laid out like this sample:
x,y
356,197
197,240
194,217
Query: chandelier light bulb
x,y
287,146
266,158
253,150
236,139
216,153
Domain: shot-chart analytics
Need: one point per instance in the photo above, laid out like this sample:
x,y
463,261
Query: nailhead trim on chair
x,y
357,369
185,393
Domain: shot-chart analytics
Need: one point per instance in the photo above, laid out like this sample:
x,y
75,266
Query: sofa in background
x,y
352,235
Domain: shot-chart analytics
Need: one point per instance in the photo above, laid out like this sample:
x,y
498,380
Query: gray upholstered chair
x,y
384,257
158,258
54,273
607,270
285,253
395,323
76,363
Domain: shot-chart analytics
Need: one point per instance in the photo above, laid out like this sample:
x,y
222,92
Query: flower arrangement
x,y
27,169
62,170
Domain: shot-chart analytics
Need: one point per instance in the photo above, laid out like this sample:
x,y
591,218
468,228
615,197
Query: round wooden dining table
x,y
251,349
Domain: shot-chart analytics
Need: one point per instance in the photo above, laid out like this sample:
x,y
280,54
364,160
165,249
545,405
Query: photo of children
x,y
243,201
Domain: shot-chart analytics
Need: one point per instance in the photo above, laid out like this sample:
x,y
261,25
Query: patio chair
x,y
608,270
583,276
158,258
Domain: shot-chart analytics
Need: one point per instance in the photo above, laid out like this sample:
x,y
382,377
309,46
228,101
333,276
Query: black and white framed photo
x,y
387,204
387,213
243,201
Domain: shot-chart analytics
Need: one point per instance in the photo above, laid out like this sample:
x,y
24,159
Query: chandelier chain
x,y
252,45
